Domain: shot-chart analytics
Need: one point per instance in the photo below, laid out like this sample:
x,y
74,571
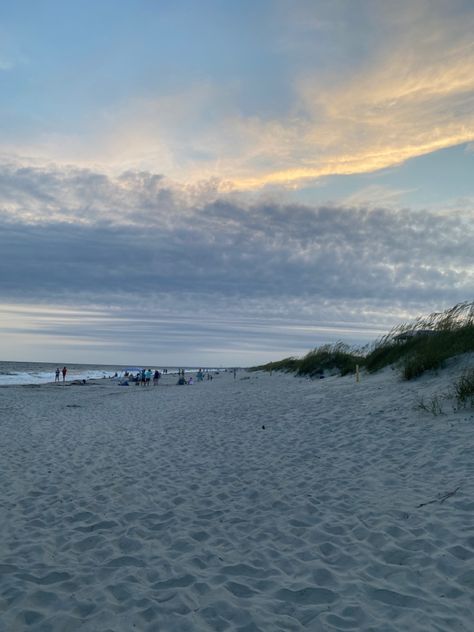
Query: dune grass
x,y
464,389
433,405
339,358
287,365
425,344
415,347
461,394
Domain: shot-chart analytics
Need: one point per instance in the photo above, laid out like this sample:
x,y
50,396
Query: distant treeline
x,y
415,347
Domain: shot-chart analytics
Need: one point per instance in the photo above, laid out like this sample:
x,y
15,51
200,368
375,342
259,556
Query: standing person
x,y
56,379
64,371
156,377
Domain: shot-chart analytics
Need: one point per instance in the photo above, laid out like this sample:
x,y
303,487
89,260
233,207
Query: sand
x,y
258,503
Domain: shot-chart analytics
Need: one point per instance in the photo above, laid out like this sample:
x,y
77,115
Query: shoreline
x,y
17,373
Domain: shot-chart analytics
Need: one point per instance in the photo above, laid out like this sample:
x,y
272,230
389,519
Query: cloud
x,y
412,95
115,269
138,239
385,196
364,88
214,250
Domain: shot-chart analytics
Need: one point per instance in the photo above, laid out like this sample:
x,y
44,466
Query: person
x,y
64,371
56,379
191,381
181,380
148,375
156,377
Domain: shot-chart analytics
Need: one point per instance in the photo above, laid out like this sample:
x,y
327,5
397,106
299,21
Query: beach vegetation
x,y
339,358
464,389
287,365
462,392
336,358
425,344
432,405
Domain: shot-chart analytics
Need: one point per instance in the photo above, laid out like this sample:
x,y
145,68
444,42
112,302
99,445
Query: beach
x,y
255,503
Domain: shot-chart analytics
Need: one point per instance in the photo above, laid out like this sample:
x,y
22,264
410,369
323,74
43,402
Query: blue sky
x,y
233,181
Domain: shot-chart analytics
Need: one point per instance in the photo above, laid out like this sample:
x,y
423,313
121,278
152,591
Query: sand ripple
x,y
174,509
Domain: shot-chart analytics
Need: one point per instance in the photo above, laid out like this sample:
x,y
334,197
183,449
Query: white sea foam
x,y
43,377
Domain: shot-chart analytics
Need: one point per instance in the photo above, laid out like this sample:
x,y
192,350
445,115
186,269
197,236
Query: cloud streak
x,y
136,244
348,109
413,95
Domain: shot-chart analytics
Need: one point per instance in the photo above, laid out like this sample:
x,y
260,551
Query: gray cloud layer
x,y
80,237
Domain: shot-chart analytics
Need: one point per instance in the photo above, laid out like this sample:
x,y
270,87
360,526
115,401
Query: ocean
x,y
43,372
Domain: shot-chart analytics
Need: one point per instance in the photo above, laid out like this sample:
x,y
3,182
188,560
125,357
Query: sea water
x,y
43,372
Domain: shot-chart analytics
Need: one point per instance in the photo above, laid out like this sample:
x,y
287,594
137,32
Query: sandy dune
x,y
261,503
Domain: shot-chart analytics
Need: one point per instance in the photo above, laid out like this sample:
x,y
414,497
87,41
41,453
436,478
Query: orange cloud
x,y
412,95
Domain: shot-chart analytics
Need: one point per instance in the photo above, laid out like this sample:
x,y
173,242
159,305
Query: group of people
x,y
199,376
144,377
58,373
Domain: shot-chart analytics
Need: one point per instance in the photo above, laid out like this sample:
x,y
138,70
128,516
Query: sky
x,y
226,183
